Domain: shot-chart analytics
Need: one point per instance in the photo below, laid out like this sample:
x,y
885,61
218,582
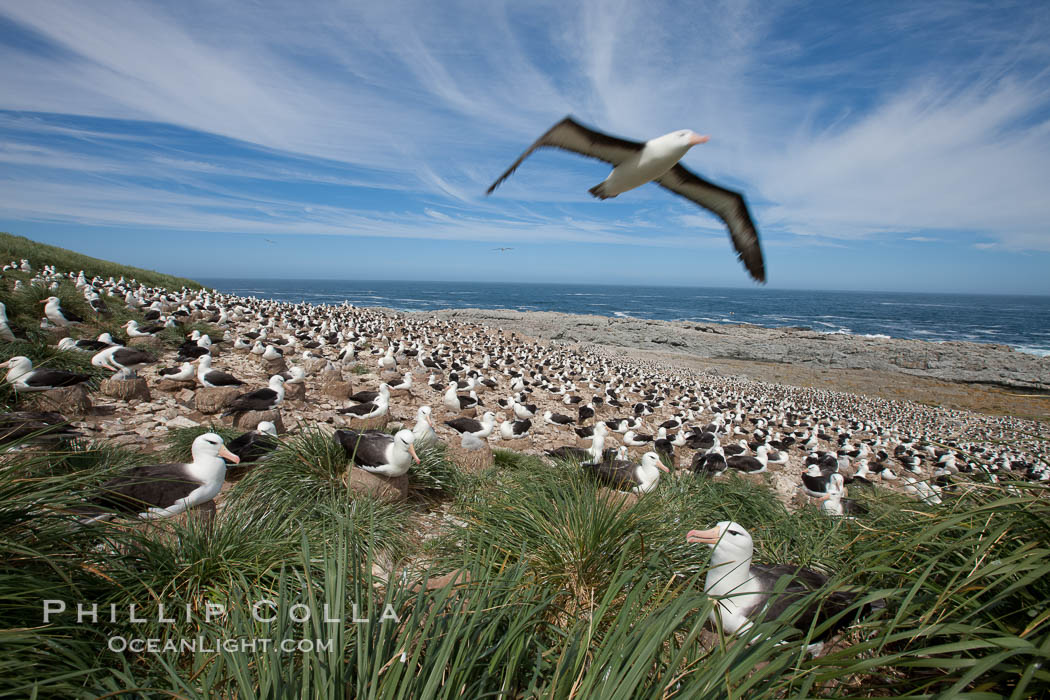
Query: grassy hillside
x,y
38,254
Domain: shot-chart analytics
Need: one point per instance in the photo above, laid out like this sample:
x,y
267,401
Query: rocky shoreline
x,y
955,361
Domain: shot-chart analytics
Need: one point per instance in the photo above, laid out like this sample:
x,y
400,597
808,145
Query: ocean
x,y
1022,322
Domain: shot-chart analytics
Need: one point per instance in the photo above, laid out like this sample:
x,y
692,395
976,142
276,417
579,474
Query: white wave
x,y
908,303
1031,350
880,336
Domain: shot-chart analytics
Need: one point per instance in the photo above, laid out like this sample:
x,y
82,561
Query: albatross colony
x,y
840,442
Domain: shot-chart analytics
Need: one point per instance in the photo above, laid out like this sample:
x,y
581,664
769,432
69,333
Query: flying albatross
x,y
635,164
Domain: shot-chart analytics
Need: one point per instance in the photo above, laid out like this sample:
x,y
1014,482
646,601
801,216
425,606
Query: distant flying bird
x,y
502,249
635,164
269,241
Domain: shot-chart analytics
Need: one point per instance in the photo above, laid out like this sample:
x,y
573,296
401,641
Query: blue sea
x,y
1019,321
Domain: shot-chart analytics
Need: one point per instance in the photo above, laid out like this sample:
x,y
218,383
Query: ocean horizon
x,y
1020,321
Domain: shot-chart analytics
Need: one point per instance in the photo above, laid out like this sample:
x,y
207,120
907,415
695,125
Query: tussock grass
x,y
436,474
302,483
570,593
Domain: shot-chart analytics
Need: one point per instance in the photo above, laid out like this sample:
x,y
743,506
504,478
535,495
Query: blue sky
x,y
885,146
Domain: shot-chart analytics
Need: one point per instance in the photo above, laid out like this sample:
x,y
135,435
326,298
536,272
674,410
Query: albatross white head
x,y
648,472
403,448
266,427
207,449
18,366
730,572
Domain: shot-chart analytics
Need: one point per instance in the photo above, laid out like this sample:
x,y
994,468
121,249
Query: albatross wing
x,y
728,205
570,135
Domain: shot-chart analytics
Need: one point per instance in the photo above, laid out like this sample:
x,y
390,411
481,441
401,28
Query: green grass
x,y
14,248
570,595
436,475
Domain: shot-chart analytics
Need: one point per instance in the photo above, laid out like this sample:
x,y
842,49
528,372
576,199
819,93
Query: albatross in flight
x,y
635,164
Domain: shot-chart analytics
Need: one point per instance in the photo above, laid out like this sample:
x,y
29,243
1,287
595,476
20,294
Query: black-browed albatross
x,y
635,164
163,490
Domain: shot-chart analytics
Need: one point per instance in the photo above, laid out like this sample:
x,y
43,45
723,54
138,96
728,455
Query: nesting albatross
x,y
635,164
163,490
747,591
22,377
379,452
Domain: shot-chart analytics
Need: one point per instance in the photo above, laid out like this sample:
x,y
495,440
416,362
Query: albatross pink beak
x,y
412,451
228,456
704,536
697,139
662,467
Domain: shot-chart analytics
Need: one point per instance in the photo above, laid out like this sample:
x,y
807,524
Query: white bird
x,y
54,312
635,440
922,490
132,328
625,475
635,164
22,377
514,429
212,377
378,452
372,409
387,361
294,375
5,327
183,373
165,489
479,429
746,592
456,403
424,429
260,399
124,361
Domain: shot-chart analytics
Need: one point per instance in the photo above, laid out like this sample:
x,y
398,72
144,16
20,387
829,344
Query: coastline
x,y
983,377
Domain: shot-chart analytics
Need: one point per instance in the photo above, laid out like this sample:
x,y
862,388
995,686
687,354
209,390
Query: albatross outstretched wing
x,y
728,206
572,136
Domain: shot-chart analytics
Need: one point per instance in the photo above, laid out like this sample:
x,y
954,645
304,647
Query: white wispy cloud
x,y
837,132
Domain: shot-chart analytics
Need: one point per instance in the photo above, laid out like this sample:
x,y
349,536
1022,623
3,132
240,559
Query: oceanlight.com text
x,y
140,645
